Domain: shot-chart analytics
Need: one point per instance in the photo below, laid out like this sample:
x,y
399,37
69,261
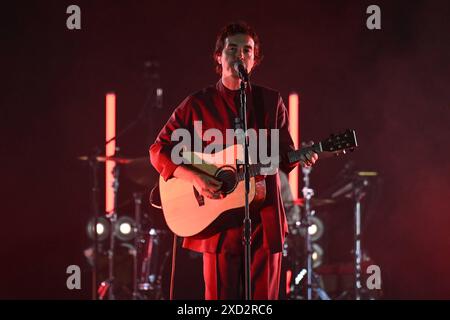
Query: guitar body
x,y
187,213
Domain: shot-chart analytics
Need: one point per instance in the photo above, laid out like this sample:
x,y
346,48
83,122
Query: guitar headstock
x,y
340,143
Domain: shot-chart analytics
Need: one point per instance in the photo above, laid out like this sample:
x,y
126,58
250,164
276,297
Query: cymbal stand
x,y
137,240
93,163
112,216
358,194
306,223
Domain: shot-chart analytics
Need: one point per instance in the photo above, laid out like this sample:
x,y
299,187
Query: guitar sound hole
x,y
228,178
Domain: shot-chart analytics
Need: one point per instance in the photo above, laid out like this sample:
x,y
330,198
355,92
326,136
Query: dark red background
x,y
391,85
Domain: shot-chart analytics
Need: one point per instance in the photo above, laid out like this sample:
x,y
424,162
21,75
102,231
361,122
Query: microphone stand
x,y
153,100
112,216
241,123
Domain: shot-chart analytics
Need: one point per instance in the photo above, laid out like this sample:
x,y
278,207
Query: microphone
x,y
241,70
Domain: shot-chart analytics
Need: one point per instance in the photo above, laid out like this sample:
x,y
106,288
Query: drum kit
x,y
133,267
306,257
146,250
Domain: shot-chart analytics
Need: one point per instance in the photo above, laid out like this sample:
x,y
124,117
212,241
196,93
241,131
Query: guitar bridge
x,y
199,197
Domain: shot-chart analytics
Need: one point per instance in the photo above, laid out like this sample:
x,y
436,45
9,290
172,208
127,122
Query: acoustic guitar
x,y
188,213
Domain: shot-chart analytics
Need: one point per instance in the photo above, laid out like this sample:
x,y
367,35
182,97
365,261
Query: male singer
x,y
217,106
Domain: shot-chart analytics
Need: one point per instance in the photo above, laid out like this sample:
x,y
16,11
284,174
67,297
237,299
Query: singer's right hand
x,y
208,186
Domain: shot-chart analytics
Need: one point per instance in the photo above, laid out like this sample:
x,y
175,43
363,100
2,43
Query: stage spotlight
x,y
316,228
103,228
317,255
125,228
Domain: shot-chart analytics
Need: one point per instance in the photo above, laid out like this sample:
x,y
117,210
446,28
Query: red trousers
x,y
224,272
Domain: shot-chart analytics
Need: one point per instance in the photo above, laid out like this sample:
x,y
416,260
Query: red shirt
x,y
217,107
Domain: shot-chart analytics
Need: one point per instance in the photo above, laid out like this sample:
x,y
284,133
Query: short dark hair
x,y
238,27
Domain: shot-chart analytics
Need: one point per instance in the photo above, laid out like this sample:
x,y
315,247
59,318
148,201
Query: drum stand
x,y
108,285
93,163
358,193
152,266
312,282
137,240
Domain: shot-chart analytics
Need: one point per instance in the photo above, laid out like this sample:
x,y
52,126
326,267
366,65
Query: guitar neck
x,y
295,156
292,157
334,145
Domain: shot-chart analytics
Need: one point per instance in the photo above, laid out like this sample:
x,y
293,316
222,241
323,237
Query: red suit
x,y
217,107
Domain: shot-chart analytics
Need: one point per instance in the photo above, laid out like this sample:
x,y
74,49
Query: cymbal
x,y
120,160
315,202
141,172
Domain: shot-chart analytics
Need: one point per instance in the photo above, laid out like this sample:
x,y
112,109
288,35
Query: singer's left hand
x,y
308,159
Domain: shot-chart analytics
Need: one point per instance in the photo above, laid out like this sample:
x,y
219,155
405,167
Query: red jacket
x,y
217,107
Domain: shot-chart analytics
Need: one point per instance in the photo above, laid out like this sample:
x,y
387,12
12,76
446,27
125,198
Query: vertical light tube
x,y
294,128
110,150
